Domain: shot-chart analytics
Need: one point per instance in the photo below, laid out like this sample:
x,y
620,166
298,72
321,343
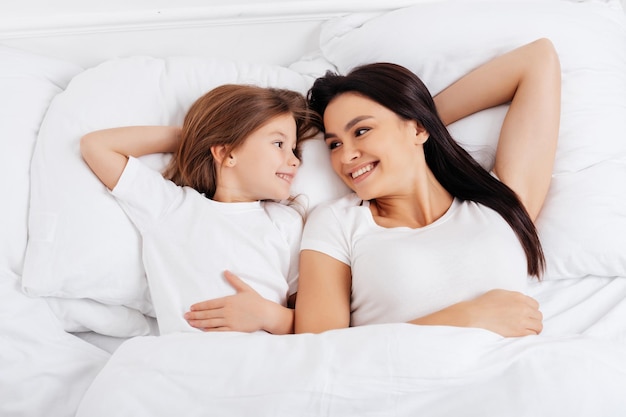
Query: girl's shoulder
x,y
282,209
284,216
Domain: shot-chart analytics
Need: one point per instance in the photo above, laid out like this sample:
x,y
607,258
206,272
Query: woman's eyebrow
x,y
348,125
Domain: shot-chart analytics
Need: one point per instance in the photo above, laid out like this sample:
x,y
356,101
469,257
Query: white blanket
x,y
384,370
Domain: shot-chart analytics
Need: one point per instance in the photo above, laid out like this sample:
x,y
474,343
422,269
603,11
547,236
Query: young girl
x,y
428,236
234,160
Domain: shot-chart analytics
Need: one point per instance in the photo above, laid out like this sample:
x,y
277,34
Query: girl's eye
x,y
279,144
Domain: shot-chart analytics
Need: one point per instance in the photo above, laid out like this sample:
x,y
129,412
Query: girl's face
x,y
373,150
265,163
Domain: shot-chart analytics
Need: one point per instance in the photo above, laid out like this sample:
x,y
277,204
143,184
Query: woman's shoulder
x,y
345,202
339,208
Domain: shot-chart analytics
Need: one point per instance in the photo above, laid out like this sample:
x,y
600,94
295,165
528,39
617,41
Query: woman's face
x,y
374,151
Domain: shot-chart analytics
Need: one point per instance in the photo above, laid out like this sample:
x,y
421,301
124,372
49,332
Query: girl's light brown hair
x,y
226,116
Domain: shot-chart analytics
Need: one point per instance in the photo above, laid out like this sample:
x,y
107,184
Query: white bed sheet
x,y
44,371
591,306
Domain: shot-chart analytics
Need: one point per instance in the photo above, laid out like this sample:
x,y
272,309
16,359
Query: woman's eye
x,y
360,131
334,144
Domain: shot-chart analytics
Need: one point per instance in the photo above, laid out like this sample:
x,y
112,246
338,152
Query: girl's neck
x,y
226,196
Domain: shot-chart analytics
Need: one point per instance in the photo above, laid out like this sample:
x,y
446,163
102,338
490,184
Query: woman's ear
x,y
222,157
421,134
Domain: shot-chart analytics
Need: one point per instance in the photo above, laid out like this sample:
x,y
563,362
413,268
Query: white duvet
x,y
577,367
384,370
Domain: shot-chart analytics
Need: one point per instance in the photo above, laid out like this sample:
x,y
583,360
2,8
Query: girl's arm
x,y
324,288
107,151
245,311
528,77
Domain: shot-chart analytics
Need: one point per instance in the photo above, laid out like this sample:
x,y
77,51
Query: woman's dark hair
x,y
401,91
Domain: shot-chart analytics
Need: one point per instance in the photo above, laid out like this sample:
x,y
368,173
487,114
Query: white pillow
x,y
583,223
82,245
28,82
441,41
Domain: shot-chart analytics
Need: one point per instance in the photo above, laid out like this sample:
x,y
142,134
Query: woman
x,y
429,237
235,158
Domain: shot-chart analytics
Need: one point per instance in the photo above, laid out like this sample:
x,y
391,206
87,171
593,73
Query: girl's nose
x,y
293,161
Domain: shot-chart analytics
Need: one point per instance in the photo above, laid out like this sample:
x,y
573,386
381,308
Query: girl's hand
x,y
246,311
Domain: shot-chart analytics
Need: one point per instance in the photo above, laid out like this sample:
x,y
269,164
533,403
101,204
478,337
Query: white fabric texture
x,y
189,240
587,196
378,370
28,83
45,371
399,274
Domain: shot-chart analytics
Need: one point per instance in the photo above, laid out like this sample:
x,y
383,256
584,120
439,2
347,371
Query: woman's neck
x,y
419,207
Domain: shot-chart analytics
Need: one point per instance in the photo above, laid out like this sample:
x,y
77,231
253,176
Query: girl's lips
x,y
286,177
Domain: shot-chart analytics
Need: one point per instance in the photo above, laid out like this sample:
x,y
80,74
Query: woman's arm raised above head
x,y
528,77
107,151
324,286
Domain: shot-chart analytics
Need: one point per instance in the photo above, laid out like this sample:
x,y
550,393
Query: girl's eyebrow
x,y
277,132
348,126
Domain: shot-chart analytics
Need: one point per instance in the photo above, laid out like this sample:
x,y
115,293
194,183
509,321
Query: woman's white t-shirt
x,y
400,273
189,240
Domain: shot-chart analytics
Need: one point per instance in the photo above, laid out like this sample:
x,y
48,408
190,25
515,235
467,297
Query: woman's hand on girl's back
x,y
246,311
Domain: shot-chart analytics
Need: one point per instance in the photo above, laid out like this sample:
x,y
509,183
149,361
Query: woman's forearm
x,y
508,313
279,320
491,84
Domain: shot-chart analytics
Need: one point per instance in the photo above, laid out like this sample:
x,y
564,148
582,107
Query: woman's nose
x,y
349,153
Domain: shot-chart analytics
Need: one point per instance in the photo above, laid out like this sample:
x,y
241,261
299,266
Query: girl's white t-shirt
x,y
189,240
400,273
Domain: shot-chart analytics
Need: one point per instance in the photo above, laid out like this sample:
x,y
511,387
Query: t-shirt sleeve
x,y
294,246
289,222
323,232
144,194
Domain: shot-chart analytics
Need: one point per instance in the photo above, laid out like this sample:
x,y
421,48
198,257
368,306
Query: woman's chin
x,y
364,195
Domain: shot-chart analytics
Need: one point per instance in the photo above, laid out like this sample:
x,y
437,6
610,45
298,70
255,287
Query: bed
x,y
78,335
